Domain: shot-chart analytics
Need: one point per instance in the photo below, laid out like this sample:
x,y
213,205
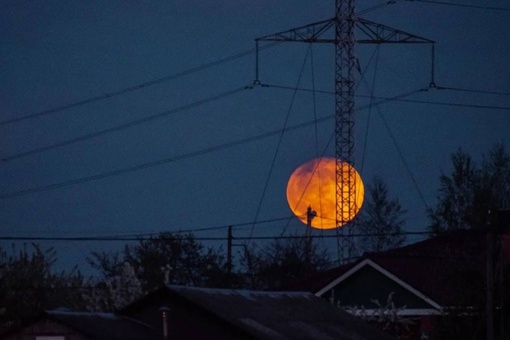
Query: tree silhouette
x,y
168,258
29,285
470,191
381,219
280,262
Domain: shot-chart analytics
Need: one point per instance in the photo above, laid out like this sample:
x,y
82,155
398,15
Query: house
x,y
63,324
429,282
177,312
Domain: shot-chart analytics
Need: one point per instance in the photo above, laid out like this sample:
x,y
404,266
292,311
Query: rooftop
x,y
103,326
437,267
280,315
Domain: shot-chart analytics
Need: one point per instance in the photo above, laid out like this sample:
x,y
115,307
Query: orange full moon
x,y
313,184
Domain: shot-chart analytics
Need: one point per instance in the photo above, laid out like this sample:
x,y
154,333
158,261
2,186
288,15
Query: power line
x,y
316,131
370,9
280,139
136,87
472,91
300,89
365,96
216,148
370,110
242,238
490,107
234,225
462,5
429,102
154,163
228,93
400,153
183,156
144,236
124,125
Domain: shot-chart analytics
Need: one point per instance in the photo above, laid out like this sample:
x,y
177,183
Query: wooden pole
x,y
489,310
229,250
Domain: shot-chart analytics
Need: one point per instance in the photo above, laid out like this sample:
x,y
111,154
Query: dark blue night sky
x,y
55,53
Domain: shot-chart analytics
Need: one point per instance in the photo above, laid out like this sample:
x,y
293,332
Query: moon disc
x,y
314,184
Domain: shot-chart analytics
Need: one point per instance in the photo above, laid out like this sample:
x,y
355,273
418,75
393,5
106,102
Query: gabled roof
x,y
449,269
436,269
375,266
275,315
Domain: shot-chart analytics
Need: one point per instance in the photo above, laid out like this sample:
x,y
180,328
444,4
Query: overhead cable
x,y
233,225
455,4
369,111
245,238
135,87
180,157
316,130
401,155
124,125
472,91
289,110
370,9
429,102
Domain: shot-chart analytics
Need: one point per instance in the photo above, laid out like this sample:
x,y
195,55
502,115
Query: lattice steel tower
x,y
344,119
344,24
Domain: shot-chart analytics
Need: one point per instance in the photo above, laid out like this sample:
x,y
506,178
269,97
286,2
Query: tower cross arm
x,y
375,33
369,33
308,33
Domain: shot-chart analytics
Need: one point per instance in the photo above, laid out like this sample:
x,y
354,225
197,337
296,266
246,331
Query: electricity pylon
x,y
343,25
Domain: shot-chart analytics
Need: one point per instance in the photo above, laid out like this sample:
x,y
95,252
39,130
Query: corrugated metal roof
x,y
280,315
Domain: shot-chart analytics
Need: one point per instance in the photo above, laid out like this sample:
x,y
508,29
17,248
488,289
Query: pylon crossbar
x,y
378,34
308,33
371,33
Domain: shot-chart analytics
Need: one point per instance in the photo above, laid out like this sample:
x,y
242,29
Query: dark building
x,y
439,284
176,312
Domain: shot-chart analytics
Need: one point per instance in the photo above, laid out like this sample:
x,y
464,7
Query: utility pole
x,y
229,250
503,223
503,227
310,215
343,24
489,310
